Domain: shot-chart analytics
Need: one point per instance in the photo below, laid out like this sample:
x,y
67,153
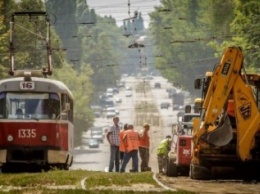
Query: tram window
x,y
54,106
2,106
34,105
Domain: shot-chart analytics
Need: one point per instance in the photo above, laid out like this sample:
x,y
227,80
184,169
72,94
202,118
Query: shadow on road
x,y
88,151
85,162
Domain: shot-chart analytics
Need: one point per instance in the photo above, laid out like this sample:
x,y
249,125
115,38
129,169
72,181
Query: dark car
x,y
171,92
93,143
115,90
157,85
165,105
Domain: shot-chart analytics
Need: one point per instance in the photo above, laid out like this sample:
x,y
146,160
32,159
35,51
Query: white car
x,y
111,112
128,93
128,88
118,100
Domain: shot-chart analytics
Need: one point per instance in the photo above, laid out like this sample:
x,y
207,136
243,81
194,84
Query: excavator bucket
x,y
220,136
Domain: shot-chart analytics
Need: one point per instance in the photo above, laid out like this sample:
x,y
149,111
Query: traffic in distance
x,y
126,109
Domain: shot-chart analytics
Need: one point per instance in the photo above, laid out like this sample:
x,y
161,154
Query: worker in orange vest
x,y
144,147
121,144
131,142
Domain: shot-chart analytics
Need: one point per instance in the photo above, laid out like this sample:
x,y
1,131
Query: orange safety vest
x,y
231,108
144,139
131,140
121,144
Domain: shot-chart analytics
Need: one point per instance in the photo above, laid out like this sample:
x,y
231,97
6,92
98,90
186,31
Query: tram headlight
x,y
10,138
44,138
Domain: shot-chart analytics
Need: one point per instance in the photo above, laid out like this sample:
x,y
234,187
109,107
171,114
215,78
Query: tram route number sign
x,y
27,85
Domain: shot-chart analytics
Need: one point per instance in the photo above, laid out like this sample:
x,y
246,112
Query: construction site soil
x,y
210,186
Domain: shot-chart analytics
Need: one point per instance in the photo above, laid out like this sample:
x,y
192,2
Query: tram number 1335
x,y
26,133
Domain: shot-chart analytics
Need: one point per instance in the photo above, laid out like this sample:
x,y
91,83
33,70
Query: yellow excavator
x,y
221,149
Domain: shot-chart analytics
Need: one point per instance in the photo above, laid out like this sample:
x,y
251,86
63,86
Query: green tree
x,y
66,25
179,38
81,88
4,59
246,28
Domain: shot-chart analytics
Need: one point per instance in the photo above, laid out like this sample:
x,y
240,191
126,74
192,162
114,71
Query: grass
x,y
45,178
73,177
70,182
122,179
77,191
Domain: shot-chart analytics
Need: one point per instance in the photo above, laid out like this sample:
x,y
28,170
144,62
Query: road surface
x,y
97,159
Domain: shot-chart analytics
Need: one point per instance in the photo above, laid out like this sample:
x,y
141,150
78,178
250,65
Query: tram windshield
x,y
29,105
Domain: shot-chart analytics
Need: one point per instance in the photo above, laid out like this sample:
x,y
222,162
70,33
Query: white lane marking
x,y
82,183
162,185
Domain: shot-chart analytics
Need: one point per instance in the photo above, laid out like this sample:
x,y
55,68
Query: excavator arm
x,y
247,116
227,77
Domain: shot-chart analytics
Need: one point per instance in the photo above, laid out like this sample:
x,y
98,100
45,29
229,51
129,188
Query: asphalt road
x,y
97,159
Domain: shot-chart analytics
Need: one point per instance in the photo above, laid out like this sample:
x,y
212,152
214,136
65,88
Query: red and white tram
x,y
36,123
36,114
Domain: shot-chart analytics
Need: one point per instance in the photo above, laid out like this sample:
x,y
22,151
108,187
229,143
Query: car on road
x,y
111,112
109,94
118,100
93,143
115,90
171,92
128,94
97,110
165,105
157,85
128,88
113,109
97,133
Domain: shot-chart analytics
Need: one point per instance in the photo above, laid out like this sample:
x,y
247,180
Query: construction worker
x,y
144,145
121,145
162,154
131,142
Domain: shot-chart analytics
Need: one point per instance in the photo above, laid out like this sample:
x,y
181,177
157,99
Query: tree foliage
x,y
4,58
178,35
82,89
77,79
191,35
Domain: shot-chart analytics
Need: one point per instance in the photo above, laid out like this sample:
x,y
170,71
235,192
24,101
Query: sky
x,y
119,8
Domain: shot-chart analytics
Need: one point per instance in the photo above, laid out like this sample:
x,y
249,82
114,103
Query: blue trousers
x,y
127,156
114,158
